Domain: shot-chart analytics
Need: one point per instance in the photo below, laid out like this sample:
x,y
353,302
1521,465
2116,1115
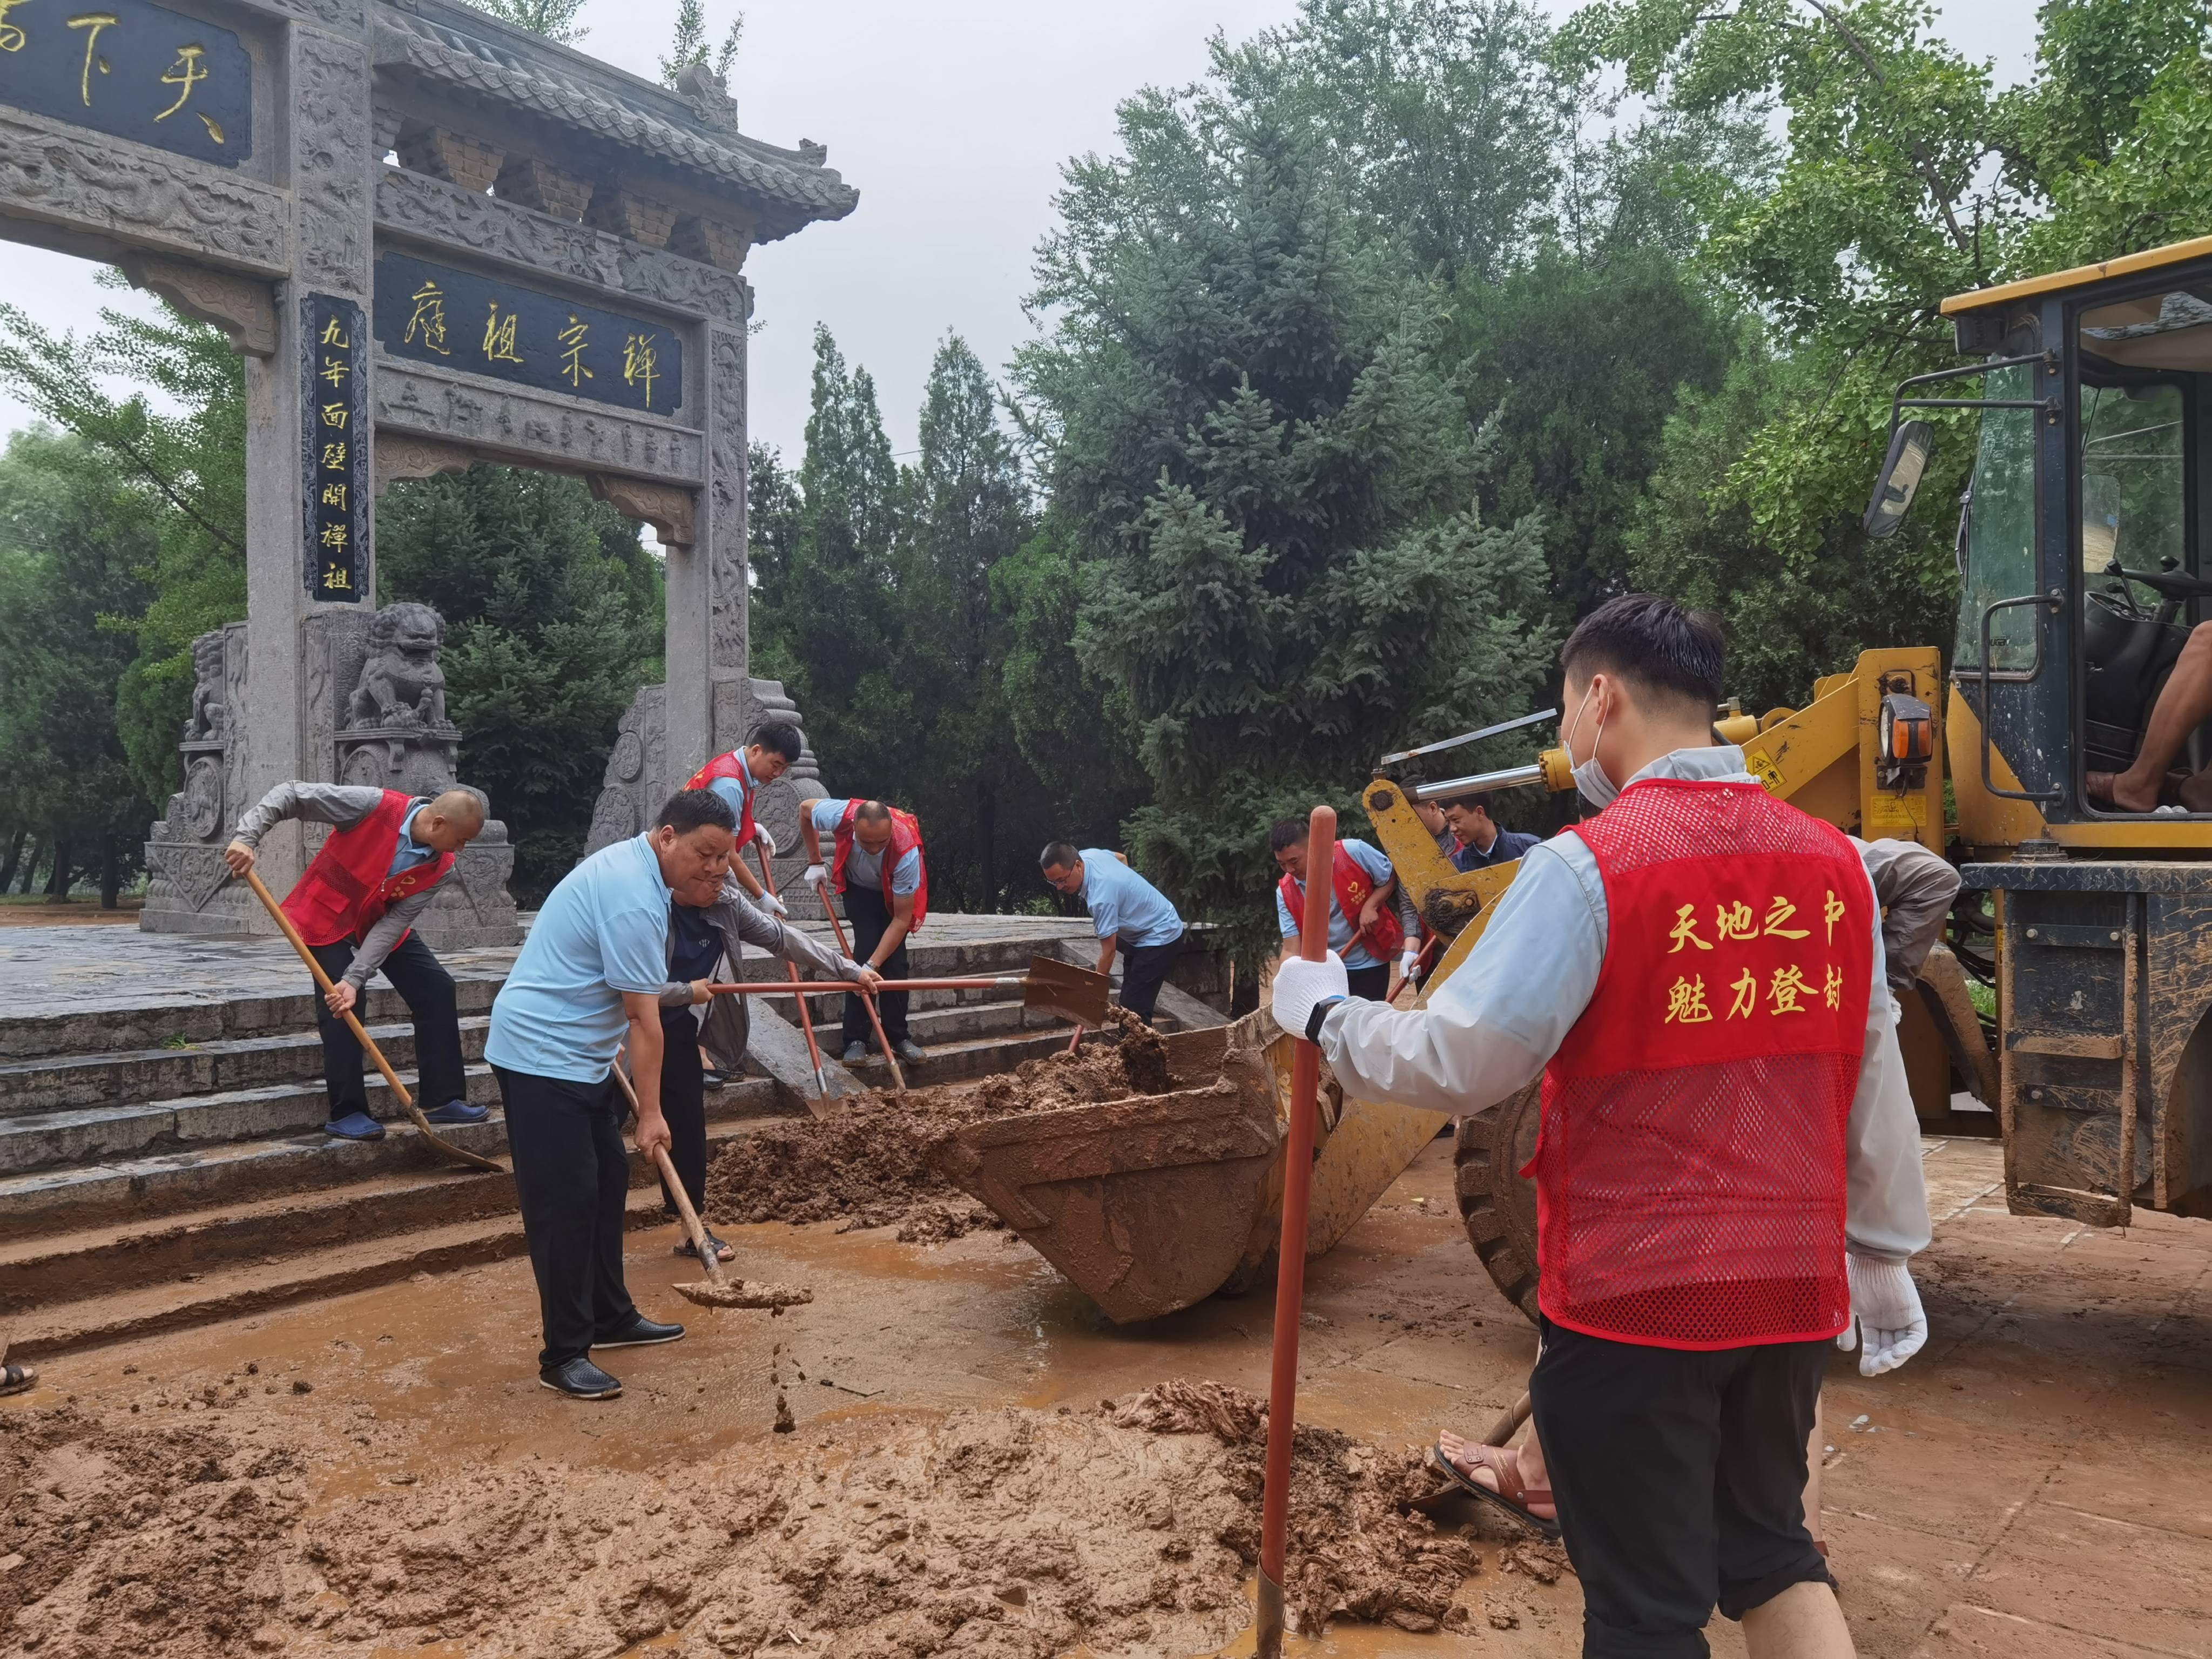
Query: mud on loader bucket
x,y
1153,1202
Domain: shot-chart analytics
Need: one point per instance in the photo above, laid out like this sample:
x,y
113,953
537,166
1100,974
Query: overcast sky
x,y
952,120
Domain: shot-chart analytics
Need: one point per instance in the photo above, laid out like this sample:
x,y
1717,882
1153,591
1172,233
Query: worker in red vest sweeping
x,y
879,869
1697,974
771,752
356,907
1371,919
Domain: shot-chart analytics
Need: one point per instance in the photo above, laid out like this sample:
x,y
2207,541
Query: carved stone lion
x,y
208,709
401,684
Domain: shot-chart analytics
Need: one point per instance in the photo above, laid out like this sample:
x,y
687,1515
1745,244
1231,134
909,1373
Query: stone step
x,y
132,1076
237,1290
276,1248
168,1180
955,1062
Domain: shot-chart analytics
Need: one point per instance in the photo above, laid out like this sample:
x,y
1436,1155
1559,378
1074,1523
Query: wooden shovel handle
x,y
708,1257
474,1160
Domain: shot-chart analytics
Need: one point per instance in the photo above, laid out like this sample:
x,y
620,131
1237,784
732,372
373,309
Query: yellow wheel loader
x,y
2084,562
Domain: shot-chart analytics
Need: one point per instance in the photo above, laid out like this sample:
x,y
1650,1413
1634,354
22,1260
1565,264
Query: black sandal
x,y
14,1378
683,1248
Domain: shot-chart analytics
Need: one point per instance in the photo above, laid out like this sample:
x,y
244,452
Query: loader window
x,y
2000,561
2134,510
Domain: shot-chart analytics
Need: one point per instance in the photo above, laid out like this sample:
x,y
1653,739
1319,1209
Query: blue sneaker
x,y
457,1111
355,1125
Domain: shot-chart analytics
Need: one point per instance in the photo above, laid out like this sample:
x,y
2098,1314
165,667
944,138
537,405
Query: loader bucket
x,y
1145,1203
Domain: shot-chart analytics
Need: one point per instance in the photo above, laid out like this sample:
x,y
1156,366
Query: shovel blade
x,y
1062,989
743,1293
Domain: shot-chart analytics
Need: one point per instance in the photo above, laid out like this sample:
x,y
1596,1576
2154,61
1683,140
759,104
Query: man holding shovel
x,y
587,984
771,752
699,937
879,869
1697,973
355,908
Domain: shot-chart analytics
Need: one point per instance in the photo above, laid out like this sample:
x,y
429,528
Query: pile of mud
x,y
1007,1533
871,1165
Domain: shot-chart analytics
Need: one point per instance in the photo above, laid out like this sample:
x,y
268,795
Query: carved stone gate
x,y
437,240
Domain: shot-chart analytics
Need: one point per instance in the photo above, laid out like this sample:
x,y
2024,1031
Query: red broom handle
x,y
1290,1252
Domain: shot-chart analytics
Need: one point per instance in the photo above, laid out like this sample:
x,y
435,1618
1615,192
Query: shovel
x,y
1057,987
717,1289
459,1154
1290,1264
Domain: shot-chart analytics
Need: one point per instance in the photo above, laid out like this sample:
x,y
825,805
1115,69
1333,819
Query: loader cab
x,y
2082,547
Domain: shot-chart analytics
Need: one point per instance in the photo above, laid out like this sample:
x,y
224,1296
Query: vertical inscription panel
x,y
131,71
334,465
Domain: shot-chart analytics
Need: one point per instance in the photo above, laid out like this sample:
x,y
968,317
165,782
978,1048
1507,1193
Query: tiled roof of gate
x,y
506,67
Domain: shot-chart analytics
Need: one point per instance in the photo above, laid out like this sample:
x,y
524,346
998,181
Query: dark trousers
x,y
1681,1481
1370,983
1145,969
870,916
571,1174
684,1104
427,990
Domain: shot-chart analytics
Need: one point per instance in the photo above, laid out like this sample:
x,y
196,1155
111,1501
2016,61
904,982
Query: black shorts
x,y
1680,1482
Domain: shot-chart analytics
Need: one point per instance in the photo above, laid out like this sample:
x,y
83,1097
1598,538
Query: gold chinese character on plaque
x,y
1685,1002
335,495
334,535
334,336
1788,985
334,415
1747,996
11,36
572,363
430,318
1780,912
184,74
334,456
638,360
499,337
340,577
94,22
335,370
1685,931
1734,921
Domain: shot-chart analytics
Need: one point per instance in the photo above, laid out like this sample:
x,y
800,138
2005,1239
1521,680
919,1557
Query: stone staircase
x,y
162,1163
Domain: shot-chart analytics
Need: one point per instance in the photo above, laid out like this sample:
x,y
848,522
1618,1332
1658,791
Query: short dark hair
x,y
1286,832
1059,855
780,737
1476,800
1663,650
871,812
692,809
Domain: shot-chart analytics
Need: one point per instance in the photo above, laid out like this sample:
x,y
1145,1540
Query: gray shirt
x,y
1489,1029
727,1026
342,807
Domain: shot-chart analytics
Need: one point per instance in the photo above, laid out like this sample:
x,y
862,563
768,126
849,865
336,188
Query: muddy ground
x,y
378,1475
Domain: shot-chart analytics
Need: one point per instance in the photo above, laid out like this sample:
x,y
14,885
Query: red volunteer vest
x,y
347,888
906,838
1352,883
1689,1169
728,766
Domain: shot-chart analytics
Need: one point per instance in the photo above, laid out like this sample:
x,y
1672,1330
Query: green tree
x,y
690,44
1269,484
553,19
73,538
184,448
553,618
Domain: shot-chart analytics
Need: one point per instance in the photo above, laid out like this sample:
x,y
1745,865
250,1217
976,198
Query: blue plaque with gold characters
x,y
457,320
334,428
131,71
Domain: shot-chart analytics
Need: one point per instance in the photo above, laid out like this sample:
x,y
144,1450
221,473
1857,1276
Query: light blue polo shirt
x,y
862,865
1124,905
603,931
733,792
1375,863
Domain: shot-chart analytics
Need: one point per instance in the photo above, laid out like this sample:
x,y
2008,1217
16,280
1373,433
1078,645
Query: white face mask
x,y
1596,788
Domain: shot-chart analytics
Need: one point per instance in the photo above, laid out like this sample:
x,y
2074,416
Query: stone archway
x,y
582,232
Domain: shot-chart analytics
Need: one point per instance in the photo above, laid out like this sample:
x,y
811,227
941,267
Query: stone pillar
x,y
327,162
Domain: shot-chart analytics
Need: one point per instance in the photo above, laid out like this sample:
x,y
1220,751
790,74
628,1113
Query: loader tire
x,y
1496,1205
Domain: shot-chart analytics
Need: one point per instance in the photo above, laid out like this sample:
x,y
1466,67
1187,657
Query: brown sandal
x,y
1507,1495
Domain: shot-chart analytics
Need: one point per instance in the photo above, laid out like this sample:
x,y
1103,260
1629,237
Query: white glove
x,y
1300,985
767,840
773,905
1885,1306
1408,962
816,876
